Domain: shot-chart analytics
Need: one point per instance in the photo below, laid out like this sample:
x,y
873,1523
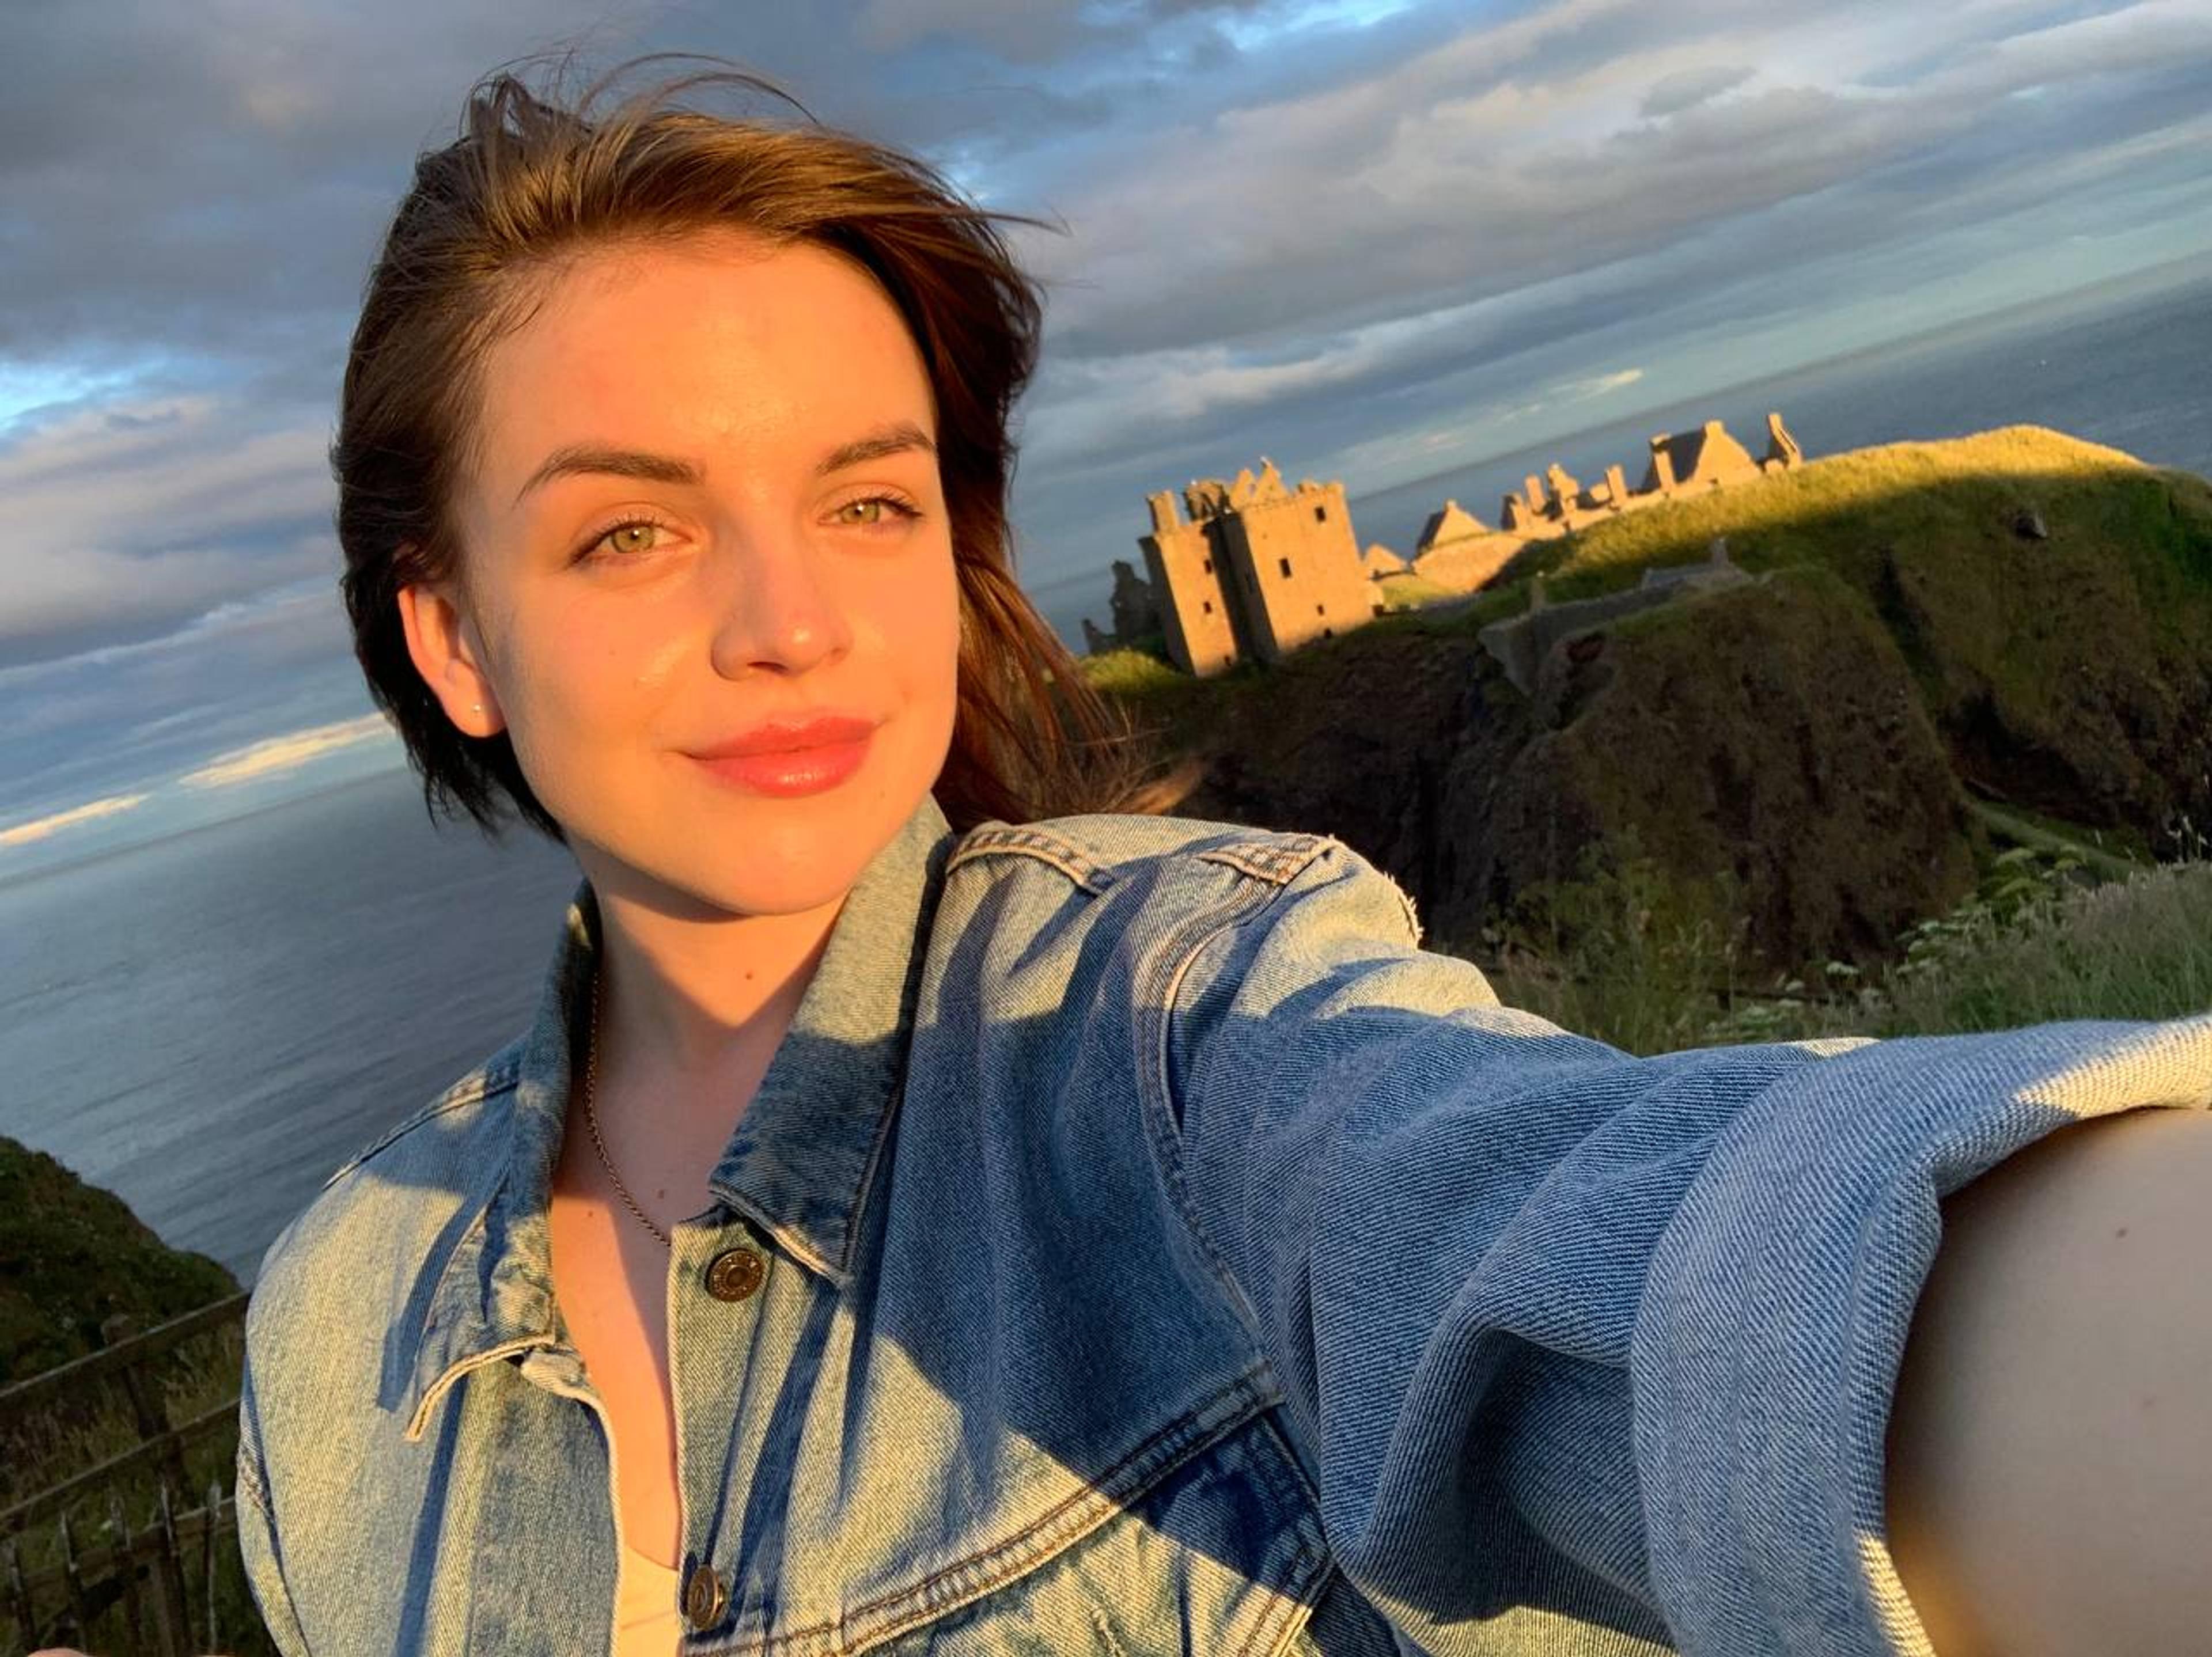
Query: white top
x,y
647,1623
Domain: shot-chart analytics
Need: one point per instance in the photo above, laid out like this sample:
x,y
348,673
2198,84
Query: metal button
x,y
704,1596
735,1274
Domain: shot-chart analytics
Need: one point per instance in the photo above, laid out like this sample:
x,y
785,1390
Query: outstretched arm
x,y
1571,1338
2050,1441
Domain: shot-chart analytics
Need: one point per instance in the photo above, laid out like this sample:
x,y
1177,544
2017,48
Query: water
x,y
2134,375
210,1024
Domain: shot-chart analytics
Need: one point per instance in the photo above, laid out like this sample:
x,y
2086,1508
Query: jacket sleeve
x,y
256,1535
1589,1352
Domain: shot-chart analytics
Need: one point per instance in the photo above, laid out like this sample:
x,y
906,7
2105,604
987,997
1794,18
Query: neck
x,y
684,995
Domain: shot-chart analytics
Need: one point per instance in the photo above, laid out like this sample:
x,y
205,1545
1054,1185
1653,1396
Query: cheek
x,y
937,657
913,614
936,645
587,674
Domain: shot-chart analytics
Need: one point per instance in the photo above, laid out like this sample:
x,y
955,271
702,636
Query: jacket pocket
x,y
1224,1558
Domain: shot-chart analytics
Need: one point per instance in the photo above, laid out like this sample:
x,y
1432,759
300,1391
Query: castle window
x,y
1208,602
1320,609
1209,566
1285,563
1328,633
1320,514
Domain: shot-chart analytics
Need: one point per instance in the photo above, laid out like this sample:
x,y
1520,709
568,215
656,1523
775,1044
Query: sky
x,y
1373,240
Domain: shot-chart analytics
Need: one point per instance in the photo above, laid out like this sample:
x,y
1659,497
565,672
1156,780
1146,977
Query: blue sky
x,y
1373,239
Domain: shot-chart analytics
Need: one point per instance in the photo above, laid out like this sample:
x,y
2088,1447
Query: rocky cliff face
x,y
1765,745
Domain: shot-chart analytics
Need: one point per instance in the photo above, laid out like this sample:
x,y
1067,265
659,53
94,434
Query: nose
x,y
776,613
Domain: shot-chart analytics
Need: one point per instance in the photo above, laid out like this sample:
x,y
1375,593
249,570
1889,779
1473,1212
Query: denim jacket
x,y
1140,1246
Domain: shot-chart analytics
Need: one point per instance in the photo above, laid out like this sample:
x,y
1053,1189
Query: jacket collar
x,y
800,1162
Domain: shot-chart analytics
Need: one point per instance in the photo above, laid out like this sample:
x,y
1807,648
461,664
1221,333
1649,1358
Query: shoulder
x,y
1166,858
427,1131
382,1209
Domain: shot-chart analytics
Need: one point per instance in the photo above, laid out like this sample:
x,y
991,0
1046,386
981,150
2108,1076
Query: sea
x,y
2133,372
211,1023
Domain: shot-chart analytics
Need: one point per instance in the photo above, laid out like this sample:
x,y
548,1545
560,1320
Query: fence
x,y
76,1567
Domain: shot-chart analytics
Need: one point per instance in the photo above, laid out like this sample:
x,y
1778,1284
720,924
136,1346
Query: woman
x,y
921,1221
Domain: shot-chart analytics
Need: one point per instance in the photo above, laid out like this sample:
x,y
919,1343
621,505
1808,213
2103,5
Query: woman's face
x,y
706,580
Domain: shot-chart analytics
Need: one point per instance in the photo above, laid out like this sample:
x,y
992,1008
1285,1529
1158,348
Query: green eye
x,y
874,511
630,538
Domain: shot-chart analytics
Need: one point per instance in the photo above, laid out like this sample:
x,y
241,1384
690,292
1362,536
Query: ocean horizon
x,y
2126,363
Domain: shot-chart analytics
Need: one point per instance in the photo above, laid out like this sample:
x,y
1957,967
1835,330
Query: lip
x,y
789,737
786,759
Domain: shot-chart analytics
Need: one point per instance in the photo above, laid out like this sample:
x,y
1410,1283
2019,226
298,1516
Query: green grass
x,y
1133,673
73,1435
1833,510
2112,855
1408,591
2038,948
71,1257
2039,941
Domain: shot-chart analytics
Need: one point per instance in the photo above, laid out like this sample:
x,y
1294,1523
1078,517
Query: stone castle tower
x,y
1257,571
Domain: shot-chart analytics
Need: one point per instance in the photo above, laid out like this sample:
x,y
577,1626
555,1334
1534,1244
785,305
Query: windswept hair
x,y
534,179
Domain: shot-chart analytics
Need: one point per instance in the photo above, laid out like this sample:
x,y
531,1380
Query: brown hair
x,y
531,179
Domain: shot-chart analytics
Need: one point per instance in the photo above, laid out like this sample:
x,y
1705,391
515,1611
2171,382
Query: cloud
x,y
1686,88
1023,30
23,833
287,753
130,517
126,717
1601,384
1513,152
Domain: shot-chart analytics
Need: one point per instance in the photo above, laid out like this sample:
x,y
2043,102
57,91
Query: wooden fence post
x,y
169,1611
75,1583
19,1594
126,1572
146,1403
208,1546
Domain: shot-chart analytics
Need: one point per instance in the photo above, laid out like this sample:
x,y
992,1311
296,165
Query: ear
x,y
447,649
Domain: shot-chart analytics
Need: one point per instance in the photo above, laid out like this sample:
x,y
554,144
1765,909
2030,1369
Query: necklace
x,y
591,1120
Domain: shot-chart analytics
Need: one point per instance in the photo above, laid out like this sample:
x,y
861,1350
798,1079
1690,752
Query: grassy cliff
x,y
72,1255
2017,617
2052,598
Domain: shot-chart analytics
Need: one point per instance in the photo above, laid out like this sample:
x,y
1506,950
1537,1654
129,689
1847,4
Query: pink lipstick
x,y
787,760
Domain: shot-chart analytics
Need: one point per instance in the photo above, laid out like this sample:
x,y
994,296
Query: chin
x,y
762,882
682,845
778,856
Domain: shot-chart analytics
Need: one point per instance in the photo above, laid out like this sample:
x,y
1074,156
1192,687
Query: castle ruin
x,y
1259,569
1681,464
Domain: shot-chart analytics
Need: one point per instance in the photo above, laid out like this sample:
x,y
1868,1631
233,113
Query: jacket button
x,y
704,1596
735,1275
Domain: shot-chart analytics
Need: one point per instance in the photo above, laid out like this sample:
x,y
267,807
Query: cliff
x,y
72,1255
2017,616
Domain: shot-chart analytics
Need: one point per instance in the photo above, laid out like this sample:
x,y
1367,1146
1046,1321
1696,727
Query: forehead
x,y
717,340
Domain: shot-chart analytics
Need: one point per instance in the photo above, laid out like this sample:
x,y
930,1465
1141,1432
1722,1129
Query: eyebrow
x,y
596,459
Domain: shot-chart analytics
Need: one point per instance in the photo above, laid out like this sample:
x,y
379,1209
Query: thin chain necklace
x,y
591,1120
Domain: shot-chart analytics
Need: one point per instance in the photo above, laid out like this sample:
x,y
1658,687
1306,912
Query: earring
x,y
479,706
